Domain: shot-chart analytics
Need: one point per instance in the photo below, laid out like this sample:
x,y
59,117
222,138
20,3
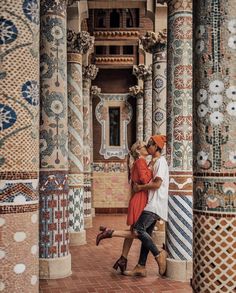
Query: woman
x,y
140,174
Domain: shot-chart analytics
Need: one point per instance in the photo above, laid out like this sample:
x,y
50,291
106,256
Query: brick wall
x,y
110,190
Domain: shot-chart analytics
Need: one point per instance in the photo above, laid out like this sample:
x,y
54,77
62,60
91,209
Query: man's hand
x,y
136,187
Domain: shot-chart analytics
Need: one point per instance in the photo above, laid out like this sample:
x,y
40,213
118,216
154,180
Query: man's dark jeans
x,y
144,227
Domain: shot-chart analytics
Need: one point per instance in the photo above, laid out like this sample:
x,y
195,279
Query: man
x,y
156,208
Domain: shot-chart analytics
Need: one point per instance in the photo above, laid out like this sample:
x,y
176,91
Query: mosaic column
x,y
55,258
137,92
156,45
76,47
214,204
179,136
19,140
145,73
89,73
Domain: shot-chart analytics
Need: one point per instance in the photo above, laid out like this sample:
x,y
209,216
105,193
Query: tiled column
x,y
214,204
179,136
156,45
19,145
75,49
137,92
145,73
55,259
89,73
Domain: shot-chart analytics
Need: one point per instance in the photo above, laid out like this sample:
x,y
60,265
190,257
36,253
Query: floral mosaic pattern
x,y
214,128
179,128
30,92
30,9
54,216
9,31
7,117
19,153
215,107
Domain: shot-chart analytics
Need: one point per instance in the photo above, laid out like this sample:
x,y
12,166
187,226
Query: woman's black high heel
x,y
121,263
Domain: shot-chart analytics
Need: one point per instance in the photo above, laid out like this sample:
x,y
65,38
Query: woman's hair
x,y
135,147
134,155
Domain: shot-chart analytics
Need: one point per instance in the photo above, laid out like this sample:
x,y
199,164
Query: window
x,y
100,17
114,126
115,18
114,50
100,50
128,50
132,17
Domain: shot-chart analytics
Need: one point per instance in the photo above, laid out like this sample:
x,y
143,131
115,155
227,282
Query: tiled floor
x,y
92,267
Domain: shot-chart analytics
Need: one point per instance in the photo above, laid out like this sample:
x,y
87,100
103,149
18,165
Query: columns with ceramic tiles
x,y
55,258
19,145
89,73
137,92
179,136
76,47
156,45
145,73
214,128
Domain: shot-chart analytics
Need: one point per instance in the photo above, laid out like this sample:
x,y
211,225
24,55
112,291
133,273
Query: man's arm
x,y
155,184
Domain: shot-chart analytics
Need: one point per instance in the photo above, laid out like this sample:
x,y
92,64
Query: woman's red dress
x,y
139,174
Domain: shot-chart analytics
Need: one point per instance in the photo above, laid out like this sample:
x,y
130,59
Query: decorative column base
x,y
55,268
77,238
88,222
179,270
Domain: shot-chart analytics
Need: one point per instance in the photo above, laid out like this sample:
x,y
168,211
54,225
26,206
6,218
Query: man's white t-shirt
x,y
158,199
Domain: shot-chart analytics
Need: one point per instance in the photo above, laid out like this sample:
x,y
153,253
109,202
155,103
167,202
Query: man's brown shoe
x,y
161,260
138,271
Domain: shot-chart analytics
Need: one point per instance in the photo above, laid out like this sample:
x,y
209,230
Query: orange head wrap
x,y
159,140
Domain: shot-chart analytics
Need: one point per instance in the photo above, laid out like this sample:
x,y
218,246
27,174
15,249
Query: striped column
x,y
145,73
89,73
55,258
19,145
76,133
137,92
156,45
179,135
214,205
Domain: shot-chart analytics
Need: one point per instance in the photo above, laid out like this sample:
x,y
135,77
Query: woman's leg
x,y
126,246
124,234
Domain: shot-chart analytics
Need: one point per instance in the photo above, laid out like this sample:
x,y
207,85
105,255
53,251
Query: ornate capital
x,y
136,91
153,42
95,90
79,42
142,71
90,71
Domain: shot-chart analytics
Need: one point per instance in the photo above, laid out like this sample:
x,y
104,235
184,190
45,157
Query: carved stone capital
x,y
153,42
89,72
136,91
79,42
142,71
95,90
